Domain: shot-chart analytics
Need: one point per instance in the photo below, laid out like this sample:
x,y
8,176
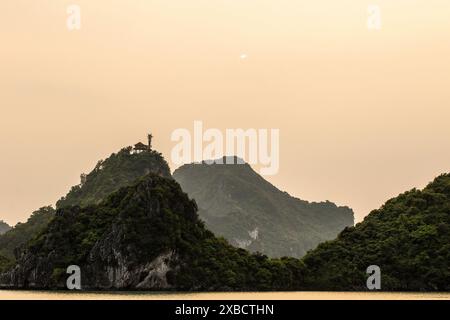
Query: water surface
x,y
55,295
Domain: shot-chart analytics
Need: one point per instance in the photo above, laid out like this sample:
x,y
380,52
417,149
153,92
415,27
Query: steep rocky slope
x,y
118,170
146,236
14,240
237,203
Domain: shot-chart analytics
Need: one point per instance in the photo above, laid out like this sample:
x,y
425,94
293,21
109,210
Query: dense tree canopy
x,y
116,216
141,222
408,238
15,239
237,203
119,170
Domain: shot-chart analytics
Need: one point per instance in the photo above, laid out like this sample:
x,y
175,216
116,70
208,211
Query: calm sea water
x,y
51,295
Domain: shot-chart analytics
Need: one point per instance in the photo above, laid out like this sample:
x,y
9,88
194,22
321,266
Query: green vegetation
x,y
138,224
240,205
408,238
5,264
119,170
116,238
15,239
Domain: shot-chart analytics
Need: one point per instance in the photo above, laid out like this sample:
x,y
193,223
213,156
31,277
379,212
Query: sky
x,y
363,114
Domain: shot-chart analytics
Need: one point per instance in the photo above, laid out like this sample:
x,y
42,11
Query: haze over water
x,y
53,295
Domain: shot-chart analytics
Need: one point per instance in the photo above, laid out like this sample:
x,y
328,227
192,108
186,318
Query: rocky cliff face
x,y
34,272
108,258
238,204
119,170
143,237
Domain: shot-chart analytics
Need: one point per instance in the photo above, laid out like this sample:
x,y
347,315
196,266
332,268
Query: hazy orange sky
x,y
363,115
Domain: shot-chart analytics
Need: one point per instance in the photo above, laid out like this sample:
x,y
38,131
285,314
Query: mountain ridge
x,y
144,237
239,204
408,238
147,235
118,170
12,241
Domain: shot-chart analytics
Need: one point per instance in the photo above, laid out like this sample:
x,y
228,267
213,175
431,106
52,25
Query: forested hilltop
x,y
17,237
118,170
408,238
237,203
146,236
241,205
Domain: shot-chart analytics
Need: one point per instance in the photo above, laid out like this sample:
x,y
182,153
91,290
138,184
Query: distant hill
x,y
119,170
4,227
18,236
148,236
145,236
237,203
408,238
